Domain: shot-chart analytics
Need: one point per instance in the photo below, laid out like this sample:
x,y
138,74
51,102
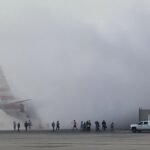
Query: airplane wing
x,y
18,101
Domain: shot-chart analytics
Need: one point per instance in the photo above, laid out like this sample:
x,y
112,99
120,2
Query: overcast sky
x,y
78,59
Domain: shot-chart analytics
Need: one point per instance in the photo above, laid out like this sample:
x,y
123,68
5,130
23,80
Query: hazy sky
x,y
78,59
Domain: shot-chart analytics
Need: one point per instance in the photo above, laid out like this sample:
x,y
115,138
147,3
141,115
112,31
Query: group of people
x,y
104,126
86,126
27,125
16,126
56,126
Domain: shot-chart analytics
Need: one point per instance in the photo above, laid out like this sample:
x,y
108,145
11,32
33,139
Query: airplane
x,y
8,102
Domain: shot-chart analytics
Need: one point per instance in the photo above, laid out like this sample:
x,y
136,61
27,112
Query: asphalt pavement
x,y
74,140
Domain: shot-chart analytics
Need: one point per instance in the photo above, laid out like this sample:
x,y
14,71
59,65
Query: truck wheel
x,y
134,130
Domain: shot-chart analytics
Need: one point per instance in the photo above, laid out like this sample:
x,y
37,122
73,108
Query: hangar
x,y
144,114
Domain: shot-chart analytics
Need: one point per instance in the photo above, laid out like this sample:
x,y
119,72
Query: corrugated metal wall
x,y
144,114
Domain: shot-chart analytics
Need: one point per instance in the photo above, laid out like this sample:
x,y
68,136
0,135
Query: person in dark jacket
x,y
18,126
97,126
57,125
26,125
104,126
53,126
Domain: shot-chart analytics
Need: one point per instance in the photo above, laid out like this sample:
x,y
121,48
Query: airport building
x,y
144,114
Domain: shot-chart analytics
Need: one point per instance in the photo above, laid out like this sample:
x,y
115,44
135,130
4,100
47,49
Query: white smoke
x,y
6,121
87,64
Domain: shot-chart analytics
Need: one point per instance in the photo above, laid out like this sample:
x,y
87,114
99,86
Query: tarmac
x,y
74,140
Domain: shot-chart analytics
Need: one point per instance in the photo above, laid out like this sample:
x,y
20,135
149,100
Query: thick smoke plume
x,y
78,62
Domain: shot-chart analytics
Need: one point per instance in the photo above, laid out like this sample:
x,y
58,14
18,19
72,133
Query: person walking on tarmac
x,y
14,123
26,125
82,125
104,126
29,124
97,126
75,125
53,126
57,125
18,126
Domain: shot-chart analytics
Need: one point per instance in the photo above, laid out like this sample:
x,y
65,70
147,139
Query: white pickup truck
x,y
141,126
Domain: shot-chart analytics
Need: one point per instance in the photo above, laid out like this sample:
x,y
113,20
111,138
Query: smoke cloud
x,y
78,60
